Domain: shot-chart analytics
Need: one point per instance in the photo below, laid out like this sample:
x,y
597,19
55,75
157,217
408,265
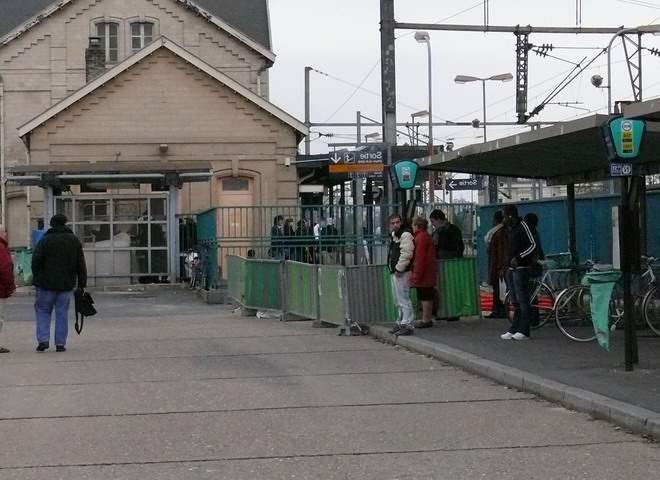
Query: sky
x,y
341,39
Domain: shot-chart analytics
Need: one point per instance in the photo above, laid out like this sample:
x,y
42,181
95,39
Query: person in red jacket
x,y
424,271
7,286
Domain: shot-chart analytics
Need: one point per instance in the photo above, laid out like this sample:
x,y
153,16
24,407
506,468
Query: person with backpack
x,y
7,285
58,264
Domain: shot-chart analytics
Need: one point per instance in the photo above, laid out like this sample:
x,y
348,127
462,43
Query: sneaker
x,y
507,336
395,329
60,348
520,336
42,347
403,331
4,350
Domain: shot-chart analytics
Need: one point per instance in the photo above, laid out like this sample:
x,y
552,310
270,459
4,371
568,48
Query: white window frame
x,y
141,36
106,39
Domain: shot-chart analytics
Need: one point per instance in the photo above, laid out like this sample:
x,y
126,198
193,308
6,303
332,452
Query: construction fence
x,y
317,235
342,295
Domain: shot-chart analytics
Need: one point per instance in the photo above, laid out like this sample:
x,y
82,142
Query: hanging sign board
x,y
404,174
623,138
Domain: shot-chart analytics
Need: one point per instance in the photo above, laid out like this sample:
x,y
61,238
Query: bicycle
x,y
573,308
542,299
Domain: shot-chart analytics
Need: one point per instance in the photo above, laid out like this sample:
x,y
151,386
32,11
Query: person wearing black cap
x,y
58,265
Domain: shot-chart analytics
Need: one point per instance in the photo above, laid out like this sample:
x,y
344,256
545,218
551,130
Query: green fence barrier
x,y
302,289
263,284
458,288
332,288
236,278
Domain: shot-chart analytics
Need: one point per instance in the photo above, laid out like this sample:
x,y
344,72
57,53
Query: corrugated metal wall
x,y
593,227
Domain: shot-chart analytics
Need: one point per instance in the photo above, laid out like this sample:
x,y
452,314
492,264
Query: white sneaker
x,y
519,336
506,336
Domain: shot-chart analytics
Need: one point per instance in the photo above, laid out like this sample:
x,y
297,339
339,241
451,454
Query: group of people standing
x,y
58,267
303,242
413,257
514,252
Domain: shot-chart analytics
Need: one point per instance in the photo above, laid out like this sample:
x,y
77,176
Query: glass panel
x,y
158,235
159,261
148,33
130,210
123,235
140,261
130,235
158,209
94,235
235,184
92,210
64,206
135,43
135,29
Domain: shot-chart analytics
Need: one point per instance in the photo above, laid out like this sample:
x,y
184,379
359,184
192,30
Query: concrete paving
x,y
162,386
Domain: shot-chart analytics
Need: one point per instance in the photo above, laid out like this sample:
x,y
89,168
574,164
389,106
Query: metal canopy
x,y
565,153
109,172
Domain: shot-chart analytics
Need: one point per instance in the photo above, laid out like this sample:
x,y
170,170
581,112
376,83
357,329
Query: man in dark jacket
x,y
58,264
448,243
7,286
522,254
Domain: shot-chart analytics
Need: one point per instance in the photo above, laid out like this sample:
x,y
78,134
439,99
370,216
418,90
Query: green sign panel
x,y
625,138
404,174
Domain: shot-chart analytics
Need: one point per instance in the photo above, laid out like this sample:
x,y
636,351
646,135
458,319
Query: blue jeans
x,y
518,282
44,303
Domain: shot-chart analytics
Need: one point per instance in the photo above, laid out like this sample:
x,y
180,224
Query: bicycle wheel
x,y
543,303
651,309
573,313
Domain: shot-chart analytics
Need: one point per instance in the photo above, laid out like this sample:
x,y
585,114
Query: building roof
x,y
247,20
181,52
568,152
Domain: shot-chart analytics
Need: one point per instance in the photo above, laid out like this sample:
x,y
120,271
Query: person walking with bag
x,y
58,264
7,285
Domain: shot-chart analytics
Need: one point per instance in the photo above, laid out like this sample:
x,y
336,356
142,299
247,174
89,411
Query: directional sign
x,y
621,169
365,162
473,183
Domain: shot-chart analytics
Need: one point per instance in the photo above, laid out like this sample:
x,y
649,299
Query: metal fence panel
x,y
301,289
458,287
236,278
263,284
332,291
370,294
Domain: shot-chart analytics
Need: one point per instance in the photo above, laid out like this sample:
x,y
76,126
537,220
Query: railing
x,y
338,295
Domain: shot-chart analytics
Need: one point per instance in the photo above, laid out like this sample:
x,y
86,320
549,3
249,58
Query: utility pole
x,y
308,122
388,89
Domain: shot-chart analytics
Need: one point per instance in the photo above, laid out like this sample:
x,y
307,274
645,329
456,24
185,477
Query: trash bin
x,y
601,285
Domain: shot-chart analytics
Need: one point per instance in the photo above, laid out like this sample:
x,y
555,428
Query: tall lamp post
x,y
425,38
503,77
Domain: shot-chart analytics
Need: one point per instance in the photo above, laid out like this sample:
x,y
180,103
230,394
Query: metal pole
x,y
388,89
609,65
492,179
428,44
307,110
572,236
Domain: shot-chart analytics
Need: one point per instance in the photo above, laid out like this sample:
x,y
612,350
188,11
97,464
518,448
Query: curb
x,y
636,419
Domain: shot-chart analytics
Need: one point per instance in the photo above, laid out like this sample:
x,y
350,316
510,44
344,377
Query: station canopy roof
x,y
568,152
109,172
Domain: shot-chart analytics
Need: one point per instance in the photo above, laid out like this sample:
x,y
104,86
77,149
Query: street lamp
x,y
502,77
424,37
373,136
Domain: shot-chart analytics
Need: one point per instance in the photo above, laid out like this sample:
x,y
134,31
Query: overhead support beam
x,y
633,52
505,29
522,75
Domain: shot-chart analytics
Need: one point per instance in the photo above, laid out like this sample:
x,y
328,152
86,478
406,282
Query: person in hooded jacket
x,y
58,266
7,285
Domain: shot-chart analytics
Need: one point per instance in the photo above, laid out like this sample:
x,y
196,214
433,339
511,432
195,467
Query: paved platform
x,y
162,386
553,365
